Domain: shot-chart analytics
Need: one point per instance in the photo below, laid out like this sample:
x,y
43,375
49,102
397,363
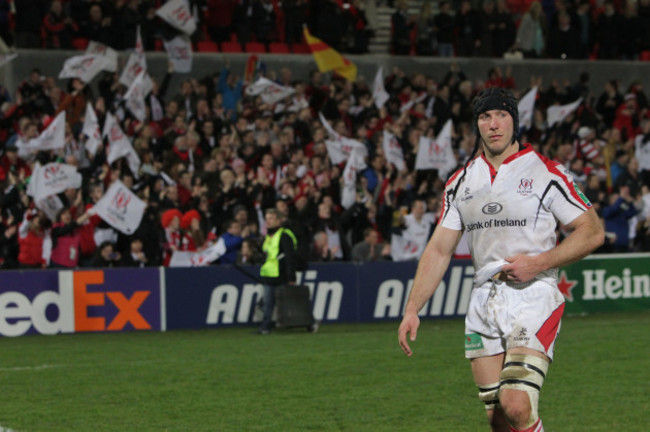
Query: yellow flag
x,y
329,59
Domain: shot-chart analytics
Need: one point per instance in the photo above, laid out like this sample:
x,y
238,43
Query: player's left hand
x,y
521,268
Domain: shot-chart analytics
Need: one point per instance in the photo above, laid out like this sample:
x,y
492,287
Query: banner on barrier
x,y
224,296
67,301
605,283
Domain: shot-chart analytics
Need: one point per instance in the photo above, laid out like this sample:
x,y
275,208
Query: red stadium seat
x,y
207,46
278,48
80,43
300,49
158,45
255,47
645,56
231,47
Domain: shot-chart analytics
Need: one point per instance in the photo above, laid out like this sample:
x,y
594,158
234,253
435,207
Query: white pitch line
x,y
22,368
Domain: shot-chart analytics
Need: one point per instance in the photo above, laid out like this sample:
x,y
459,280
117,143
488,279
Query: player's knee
x,y
516,406
521,380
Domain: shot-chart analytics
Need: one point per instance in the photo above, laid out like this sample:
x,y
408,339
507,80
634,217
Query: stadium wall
x,y
50,63
161,299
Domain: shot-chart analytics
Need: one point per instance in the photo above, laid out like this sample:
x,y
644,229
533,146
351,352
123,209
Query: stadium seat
x,y
158,45
207,46
300,49
230,47
645,56
80,43
278,48
255,47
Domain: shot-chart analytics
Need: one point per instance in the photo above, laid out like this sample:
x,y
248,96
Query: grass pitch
x,y
345,378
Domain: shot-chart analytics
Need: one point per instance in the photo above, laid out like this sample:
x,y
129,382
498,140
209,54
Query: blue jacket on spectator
x,y
233,243
616,220
231,95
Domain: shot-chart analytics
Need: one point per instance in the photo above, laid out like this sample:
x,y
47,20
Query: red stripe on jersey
x,y
547,333
444,195
552,167
527,149
493,172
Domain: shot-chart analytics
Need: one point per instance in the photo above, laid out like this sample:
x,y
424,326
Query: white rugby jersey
x,y
512,211
642,151
419,232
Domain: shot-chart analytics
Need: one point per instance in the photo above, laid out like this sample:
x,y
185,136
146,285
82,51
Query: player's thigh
x,y
528,351
486,370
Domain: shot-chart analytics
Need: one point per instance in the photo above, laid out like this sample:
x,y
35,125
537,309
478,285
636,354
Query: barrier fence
x,y
161,299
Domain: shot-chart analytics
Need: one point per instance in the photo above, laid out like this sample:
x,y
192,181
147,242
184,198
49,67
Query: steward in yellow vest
x,y
280,246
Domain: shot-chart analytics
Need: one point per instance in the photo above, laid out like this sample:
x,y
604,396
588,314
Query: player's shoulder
x,y
547,165
468,167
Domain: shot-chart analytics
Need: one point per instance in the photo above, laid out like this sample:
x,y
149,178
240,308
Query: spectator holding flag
x,y
66,239
30,240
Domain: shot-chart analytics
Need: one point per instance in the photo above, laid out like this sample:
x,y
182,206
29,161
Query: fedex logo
x,y
85,301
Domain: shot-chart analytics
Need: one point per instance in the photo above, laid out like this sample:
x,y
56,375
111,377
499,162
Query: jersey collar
x,y
523,149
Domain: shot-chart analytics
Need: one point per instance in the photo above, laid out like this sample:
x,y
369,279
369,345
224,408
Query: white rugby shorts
x,y
502,316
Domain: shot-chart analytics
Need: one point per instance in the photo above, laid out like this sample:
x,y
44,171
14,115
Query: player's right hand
x,y
409,325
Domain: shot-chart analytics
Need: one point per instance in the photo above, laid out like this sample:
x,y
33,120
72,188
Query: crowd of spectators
x,y
566,29
214,159
561,29
54,24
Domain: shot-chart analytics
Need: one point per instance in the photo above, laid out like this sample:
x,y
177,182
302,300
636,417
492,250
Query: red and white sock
x,y
537,427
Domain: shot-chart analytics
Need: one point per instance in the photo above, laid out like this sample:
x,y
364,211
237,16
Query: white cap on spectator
x,y
584,132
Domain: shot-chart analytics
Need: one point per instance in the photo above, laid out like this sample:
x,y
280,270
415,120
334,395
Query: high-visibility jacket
x,y
271,247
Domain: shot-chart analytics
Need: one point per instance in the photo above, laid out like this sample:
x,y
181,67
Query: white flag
x,y
526,108
179,51
199,258
53,137
339,147
52,179
119,145
120,208
109,54
271,92
6,58
134,98
139,46
393,151
379,92
85,67
330,131
50,206
91,130
177,13
557,113
356,162
437,153
340,150
403,248
135,65
411,103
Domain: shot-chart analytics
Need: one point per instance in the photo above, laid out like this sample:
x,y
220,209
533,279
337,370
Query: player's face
x,y
495,127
